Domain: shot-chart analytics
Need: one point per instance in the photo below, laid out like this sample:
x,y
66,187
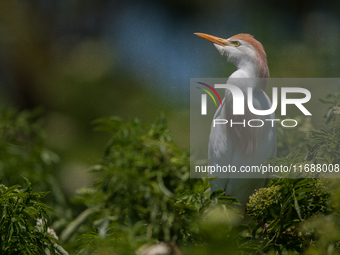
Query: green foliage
x,y
333,100
19,208
288,213
23,153
221,233
323,231
290,140
143,195
143,189
279,209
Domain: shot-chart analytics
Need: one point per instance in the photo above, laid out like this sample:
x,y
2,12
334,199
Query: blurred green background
x,y
85,59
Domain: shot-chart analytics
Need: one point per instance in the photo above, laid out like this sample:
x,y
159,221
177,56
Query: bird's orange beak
x,y
214,39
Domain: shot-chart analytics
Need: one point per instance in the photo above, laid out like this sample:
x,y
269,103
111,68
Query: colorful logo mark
x,y
204,97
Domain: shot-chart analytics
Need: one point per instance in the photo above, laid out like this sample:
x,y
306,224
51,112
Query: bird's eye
x,y
236,44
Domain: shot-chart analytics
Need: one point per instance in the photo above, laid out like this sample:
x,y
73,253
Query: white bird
x,y
238,145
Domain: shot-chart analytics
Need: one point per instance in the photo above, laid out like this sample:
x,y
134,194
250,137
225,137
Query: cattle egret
x,y
242,145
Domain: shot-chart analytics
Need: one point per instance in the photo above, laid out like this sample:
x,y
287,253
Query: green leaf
x,y
325,101
297,207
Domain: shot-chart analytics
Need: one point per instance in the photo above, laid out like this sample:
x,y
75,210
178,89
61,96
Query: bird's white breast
x,y
225,149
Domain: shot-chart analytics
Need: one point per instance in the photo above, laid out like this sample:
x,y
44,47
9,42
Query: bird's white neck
x,y
245,71
256,73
